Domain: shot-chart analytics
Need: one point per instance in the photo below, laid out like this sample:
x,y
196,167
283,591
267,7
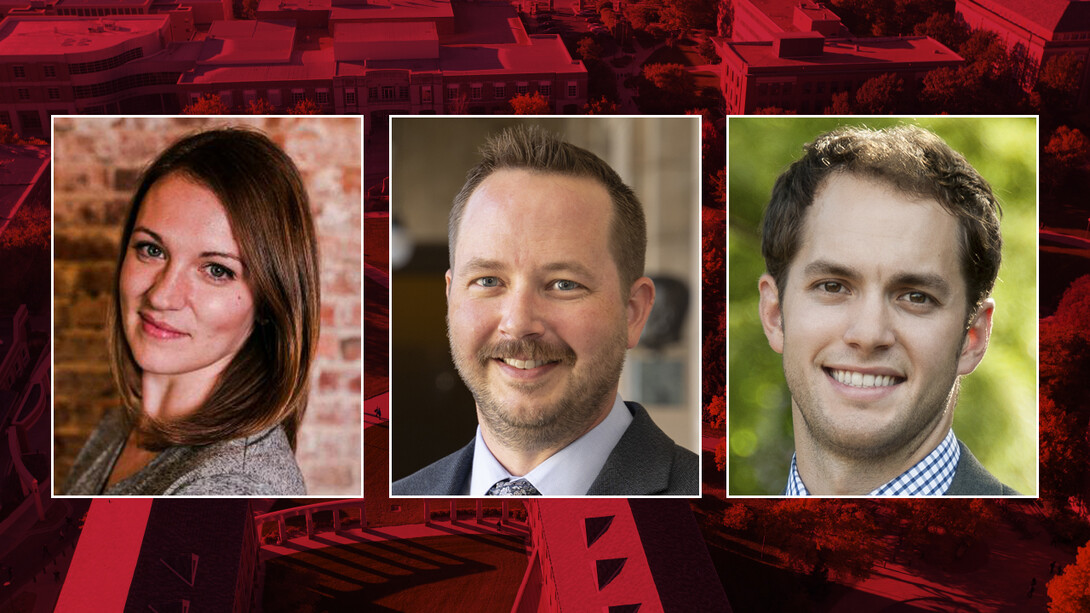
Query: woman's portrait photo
x,y
207,306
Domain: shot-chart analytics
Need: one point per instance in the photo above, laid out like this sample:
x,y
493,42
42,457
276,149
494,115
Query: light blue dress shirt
x,y
568,472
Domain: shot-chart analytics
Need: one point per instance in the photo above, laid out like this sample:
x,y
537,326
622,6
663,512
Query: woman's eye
x,y
566,285
216,271
150,250
488,282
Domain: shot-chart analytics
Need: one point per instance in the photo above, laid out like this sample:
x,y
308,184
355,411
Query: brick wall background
x,y
97,161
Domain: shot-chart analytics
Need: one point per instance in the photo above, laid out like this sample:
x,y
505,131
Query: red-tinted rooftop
x,y
386,10
385,32
248,42
1044,17
782,12
294,5
112,3
48,35
854,51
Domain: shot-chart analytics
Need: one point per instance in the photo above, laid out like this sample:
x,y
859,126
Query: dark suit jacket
x,y
645,461
970,479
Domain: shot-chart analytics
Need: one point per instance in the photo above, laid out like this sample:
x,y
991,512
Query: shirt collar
x,y
568,472
931,476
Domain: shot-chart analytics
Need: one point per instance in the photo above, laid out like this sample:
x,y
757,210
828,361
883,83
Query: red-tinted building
x,y
375,59
201,12
53,65
795,55
762,20
414,66
801,71
1037,30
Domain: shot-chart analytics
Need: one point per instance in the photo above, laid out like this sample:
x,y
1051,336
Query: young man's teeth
x,y
858,379
523,364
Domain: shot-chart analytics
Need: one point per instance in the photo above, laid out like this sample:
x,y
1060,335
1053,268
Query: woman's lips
x,y
158,329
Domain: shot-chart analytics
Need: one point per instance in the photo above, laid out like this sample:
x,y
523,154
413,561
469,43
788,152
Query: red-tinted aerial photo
x,y
229,543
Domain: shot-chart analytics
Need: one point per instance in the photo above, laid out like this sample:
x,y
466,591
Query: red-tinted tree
x,y
247,9
24,250
773,110
886,17
942,527
707,50
1064,454
609,18
1069,591
306,106
1069,147
641,15
840,104
738,516
259,106
207,104
988,82
679,17
1057,84
881,95
715,413
949,29
714,317
719,187
666,88
601,106
823,537
532,103
724,19
588,49
9,137
669,77
29,229
1066,158
1064,364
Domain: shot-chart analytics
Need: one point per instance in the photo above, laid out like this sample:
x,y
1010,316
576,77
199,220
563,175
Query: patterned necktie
x,y
512,487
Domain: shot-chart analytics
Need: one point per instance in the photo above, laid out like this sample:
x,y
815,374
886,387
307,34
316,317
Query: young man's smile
x,y
871,321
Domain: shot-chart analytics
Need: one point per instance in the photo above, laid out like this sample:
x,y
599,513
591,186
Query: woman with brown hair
x,y
212,327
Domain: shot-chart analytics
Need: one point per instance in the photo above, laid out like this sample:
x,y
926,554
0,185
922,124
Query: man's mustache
x,y
527,349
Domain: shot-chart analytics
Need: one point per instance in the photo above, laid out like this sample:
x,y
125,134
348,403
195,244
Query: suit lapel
x,y
640,463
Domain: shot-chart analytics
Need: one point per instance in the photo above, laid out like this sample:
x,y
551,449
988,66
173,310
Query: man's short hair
x,y
533,148
912,160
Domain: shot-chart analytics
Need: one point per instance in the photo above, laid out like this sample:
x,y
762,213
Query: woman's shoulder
x,y
96,458
258,465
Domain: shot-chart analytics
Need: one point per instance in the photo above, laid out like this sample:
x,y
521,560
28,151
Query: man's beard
x,y
589,392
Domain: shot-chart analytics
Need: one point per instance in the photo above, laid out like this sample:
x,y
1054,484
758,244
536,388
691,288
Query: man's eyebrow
x,y
931,281
575,267
479,264
825,267
204,254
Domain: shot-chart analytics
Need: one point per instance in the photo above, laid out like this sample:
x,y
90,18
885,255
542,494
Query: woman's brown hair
x,y
267,382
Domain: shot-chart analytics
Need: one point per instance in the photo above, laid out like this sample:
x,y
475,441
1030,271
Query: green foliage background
x,y
997,412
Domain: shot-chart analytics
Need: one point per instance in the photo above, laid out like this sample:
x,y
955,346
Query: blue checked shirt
x,y
930,476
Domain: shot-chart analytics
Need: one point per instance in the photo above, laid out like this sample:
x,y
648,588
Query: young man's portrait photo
x,y
545,306
882,336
